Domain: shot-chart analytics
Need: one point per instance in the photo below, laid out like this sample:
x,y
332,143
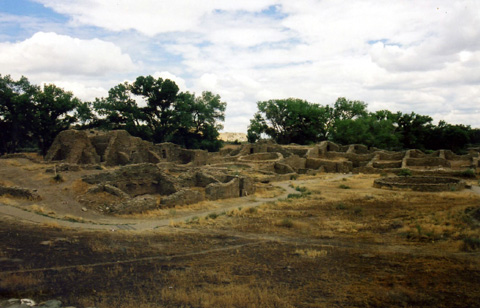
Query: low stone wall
x,y
136,180
236,187
182,197
391,155
261,157
223,190
18,192
428,162
420,183
329,165
387,164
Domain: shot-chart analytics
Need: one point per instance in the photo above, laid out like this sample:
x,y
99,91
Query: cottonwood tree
x,y
53,113
290,121
16,112
167,115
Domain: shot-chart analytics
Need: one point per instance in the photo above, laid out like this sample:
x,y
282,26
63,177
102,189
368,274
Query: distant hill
x,y
231,137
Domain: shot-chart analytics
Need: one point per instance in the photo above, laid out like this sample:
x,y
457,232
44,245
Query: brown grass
x,y
8,200
19,281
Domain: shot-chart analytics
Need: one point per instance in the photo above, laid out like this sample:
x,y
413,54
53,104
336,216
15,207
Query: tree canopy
x,y
289,121
30,114
167,115
155,110
349,122
150,108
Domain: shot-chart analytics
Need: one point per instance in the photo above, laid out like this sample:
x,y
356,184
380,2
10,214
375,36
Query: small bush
x,y
212,215
301,189
404,172
293,177
58,178
294,196
343,186
252,210
341,206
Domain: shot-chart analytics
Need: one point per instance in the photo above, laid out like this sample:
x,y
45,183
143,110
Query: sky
x,y
408,56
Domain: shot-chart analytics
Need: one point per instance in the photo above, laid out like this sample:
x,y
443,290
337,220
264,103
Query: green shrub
x,y
212,215
301,189
341,206
294,196
58,178
343,186
404,172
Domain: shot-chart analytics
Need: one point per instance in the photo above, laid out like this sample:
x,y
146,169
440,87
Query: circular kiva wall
x,y
261,157
420,183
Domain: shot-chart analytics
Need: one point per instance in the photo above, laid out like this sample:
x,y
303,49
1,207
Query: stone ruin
x,y
141,175
133,187
116,148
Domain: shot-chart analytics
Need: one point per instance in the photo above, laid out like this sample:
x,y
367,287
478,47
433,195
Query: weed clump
x,y
301,189
212,215
58,178
343,186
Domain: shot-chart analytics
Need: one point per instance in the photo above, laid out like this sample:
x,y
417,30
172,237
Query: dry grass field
x,y
335,242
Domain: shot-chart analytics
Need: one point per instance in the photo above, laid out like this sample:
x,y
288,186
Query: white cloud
x,y
50,53
149,17
81,90
404,55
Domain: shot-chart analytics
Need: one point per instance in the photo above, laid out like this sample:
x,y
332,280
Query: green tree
x,y
160,96
121,111
198,119
84,115
53,106
447,136
16,112
414,130
344,109
181,118
368,130
289,121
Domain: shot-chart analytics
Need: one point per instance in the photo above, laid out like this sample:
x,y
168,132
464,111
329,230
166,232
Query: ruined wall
x,y
73,147
329,165
182,197
236,187
136,180
123,149
223,190
428,162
